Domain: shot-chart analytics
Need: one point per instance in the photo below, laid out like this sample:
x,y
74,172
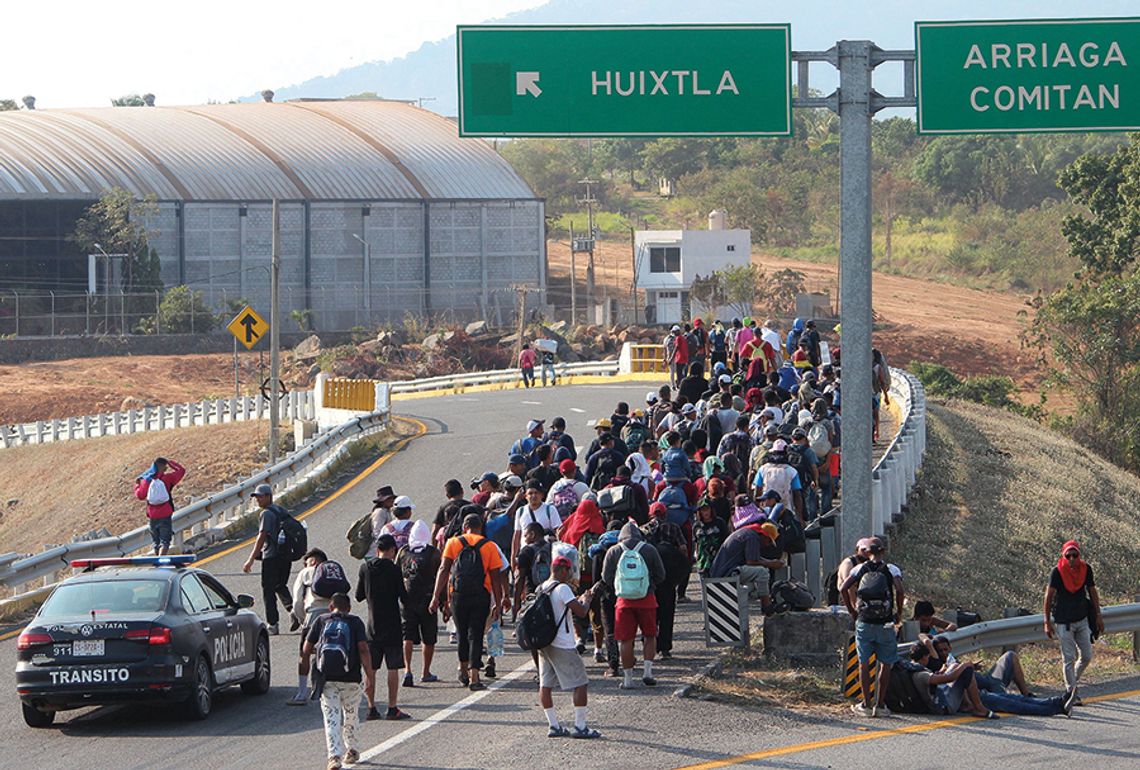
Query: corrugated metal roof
x,y
320,150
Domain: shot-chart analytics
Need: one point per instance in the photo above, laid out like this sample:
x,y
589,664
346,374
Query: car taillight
x,y
155,635
29,640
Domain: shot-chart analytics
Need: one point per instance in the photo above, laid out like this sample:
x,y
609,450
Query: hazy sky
x,y
77,53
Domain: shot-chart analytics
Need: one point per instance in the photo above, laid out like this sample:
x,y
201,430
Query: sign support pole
x,y
237,385
855,110
275,338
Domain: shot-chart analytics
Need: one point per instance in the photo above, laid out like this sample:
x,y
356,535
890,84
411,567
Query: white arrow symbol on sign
x,y
527,83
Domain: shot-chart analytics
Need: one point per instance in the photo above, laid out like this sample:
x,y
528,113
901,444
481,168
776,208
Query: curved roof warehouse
x,y
384,209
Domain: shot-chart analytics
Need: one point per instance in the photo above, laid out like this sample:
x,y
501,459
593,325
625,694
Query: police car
x,y
140,628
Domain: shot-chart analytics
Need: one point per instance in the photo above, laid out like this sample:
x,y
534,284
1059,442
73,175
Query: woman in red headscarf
x,y
1072,612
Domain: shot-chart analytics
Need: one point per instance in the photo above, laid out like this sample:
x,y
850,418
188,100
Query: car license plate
x,y
86,648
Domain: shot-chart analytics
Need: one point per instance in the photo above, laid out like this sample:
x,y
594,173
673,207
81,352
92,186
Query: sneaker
x,y
408,680
476,686
453,639
624,686
860,710
665,655
294,624
372,715
426,678
351,757
334,763
599,656
300,699
558,732
581,648
585,732
489,671
1071,699
649,681
463,678
395,714
273,631
881,711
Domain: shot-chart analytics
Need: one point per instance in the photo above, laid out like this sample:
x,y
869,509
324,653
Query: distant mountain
x,y
430,70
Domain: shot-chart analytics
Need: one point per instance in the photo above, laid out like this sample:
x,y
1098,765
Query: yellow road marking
x,y
421,430
861,737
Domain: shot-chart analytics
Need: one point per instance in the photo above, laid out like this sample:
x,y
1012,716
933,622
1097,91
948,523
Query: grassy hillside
x,y
998,496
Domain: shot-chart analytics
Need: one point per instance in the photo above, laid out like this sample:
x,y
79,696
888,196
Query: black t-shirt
x,y
1071,607
526,562
448,510
358,635
545,475
382,584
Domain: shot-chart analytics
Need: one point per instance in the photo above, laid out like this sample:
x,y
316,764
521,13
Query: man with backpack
x,y
569,490
874,596
277,541
419,562
546,472
777,475
447,517
632,571
315,585
526,445
534,511
602,465
806,462
468,584
340,643
381,584
400,526
156,487
673,547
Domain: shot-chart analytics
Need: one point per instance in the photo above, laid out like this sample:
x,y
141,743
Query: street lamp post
x,y
367,276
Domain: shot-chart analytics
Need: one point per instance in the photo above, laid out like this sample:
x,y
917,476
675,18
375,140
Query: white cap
x,y
651,397
779,445
688,409
724,378
403,501
510,479
675,328
803,418
530,426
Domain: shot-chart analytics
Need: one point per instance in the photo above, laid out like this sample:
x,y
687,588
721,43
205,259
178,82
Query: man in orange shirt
x,y
472,563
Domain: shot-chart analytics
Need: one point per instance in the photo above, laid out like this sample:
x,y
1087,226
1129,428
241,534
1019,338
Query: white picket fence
x,y
295,405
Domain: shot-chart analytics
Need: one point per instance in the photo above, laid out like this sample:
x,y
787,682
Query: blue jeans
x,y
161,533
878,638
1022,704
948,697
553,377
998,677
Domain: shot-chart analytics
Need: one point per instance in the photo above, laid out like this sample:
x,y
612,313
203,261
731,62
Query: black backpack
x,y
791,596
537,625
467,574
605,472
797,461
876,593
296,543
329,579
710,424
791,538
903,695
418,577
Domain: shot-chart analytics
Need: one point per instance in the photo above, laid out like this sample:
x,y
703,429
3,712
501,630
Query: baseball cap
x,y
675,328
488,476
803,418
688,409
799,433
779,445
567,466
771,430
638,413
875,545
605,422
403,501
530,426
262,489
516,459
510,480
769,529
724,378
558,423
719,367
651,397
562,561
771,494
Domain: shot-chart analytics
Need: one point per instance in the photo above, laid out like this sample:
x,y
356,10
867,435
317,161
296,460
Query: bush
x,y
182,311
937,379
987,389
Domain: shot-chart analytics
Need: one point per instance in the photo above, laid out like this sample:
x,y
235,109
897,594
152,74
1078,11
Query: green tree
x,y
128,100
182,311
621,154
708,292
8,105
116,223
1108,184
743,285
552,168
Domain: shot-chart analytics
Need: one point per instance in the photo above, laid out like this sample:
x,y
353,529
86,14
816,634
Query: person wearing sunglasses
x,y
1072,613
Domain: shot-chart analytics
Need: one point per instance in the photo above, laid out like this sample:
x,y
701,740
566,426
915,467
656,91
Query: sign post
x,y
1043,75
670,80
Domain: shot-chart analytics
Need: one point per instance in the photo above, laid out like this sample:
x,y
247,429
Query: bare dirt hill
x,y
998,496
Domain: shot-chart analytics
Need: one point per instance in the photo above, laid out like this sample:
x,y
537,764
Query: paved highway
x,y
453,728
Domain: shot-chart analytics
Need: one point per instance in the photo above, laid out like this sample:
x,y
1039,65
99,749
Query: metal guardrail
x,y
893,476
601,368
1027,629
296,405
193,519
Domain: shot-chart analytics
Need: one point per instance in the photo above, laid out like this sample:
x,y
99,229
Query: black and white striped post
x,y
726,612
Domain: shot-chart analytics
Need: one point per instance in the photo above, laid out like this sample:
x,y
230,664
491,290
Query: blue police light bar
x,y
135,561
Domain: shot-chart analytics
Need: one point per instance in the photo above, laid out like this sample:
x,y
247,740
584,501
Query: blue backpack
x,y
676,504
335,646
675,463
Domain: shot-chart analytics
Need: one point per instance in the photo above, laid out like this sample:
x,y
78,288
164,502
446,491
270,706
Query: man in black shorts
x,y
419,562
382,585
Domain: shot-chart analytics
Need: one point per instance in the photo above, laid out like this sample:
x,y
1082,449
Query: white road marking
x,y
576,409
443,714
532,403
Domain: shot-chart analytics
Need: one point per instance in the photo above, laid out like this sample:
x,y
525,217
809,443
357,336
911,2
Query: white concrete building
x,y
668,261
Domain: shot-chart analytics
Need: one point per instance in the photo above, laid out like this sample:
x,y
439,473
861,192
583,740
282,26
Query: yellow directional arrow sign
x,y
248,327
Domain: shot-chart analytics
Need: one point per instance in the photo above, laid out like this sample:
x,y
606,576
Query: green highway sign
x,y
1027,76
670,80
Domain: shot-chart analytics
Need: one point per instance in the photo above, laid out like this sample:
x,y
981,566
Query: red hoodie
x,y
171,478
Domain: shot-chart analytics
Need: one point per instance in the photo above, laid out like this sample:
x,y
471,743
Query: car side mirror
x,y
244,601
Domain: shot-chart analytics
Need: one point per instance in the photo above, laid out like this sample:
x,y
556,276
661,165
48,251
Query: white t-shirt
x,y
581,488
559,598
546,515
855,573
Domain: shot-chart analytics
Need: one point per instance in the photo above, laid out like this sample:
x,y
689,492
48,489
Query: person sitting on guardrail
x,y
1072,612
156,487
749,551
874,596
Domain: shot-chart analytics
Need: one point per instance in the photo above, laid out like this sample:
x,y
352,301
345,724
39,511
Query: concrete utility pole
x,y
589,200
573,279
522,290
367,278
275,337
